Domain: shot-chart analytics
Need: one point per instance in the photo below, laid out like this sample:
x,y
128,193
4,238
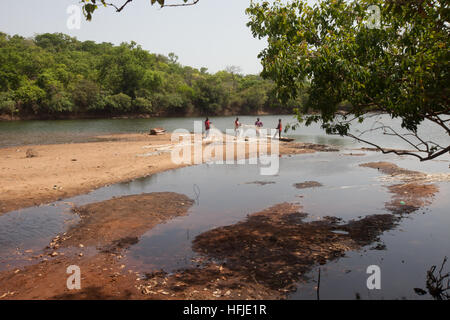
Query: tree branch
x,y
430,155
180,4
430,149
119,9
435,118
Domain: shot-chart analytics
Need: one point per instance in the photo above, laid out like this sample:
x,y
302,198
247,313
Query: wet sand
x,y
119,222
57,171
95,244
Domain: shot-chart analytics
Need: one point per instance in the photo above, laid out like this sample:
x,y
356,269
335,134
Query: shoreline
x,y
41,174
9,118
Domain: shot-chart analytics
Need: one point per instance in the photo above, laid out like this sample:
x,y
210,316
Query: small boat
x,y
157,131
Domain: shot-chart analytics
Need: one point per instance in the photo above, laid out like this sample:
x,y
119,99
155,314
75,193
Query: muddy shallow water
x,y
226,194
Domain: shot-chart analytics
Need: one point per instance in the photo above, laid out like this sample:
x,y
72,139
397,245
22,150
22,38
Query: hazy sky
x,y
210,34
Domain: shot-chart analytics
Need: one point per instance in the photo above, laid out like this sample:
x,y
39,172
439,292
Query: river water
x,y
224,196
15,133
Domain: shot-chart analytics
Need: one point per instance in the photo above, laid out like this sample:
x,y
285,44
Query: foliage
x,y
400,67
54,75
7,104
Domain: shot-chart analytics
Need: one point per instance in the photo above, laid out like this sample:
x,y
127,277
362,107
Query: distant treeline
x,y
54,76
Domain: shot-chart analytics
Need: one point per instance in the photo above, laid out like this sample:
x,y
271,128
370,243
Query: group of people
x,y
237,125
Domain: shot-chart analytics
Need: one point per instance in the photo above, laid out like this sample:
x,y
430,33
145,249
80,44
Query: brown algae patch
x,y
119,222
266,255
308,184
314,147
391,169
410,197
412,194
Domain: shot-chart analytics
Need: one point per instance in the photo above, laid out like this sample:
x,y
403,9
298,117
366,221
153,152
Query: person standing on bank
x,y
236,127
279,128
207,127
258,125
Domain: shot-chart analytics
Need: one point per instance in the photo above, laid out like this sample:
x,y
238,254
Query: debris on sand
x,y
425,178
354,154
308,184
286,139
9,293
315,147
386,149
119,244
31,153
261,183
437,284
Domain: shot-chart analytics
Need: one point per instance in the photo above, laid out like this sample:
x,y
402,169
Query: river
x,y
15,133
349,191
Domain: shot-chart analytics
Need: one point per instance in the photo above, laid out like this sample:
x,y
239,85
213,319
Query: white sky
x,y
210,34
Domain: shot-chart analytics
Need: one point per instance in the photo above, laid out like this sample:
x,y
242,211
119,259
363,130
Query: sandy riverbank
x,y
63,170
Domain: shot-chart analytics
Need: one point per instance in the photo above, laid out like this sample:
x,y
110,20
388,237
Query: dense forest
x,y
57,76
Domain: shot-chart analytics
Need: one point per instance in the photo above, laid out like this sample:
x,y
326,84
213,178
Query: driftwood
x,y
286,139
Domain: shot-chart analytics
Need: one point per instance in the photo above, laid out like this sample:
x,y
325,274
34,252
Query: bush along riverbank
x,y
54,76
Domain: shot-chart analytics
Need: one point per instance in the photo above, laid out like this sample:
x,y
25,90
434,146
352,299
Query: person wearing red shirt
x,y
279,128
207,127
236,127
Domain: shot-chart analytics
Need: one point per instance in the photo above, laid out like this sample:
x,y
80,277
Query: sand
x,y
58,171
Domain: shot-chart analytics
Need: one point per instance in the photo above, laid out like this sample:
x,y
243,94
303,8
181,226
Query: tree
x,y
173,57
118,103
60,102
85,94
54,76
235,72
142,105
210,96
399,67
7,104
30,96
54,41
